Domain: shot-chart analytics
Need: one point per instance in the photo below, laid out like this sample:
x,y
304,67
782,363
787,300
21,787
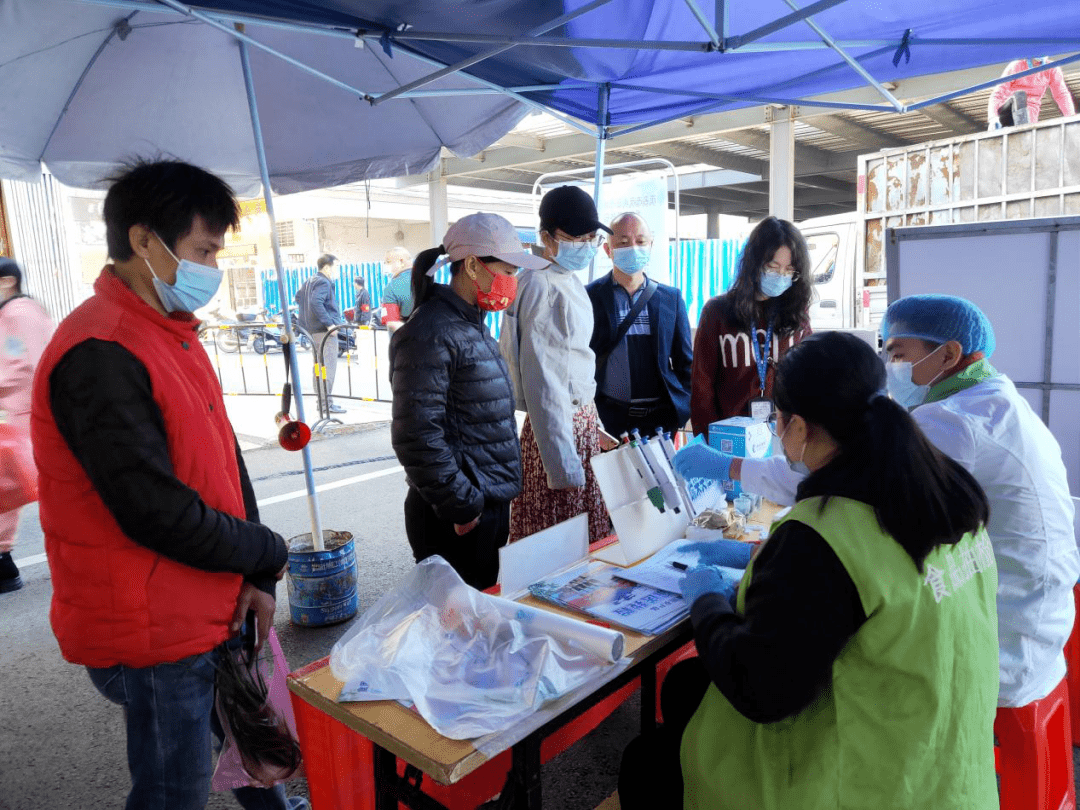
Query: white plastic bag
x,y
471,663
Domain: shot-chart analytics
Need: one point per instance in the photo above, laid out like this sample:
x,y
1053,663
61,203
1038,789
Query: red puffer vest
x,y
116,602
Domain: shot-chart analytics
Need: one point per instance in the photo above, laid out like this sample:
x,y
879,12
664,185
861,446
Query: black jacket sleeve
x,y
801,609
103,404
422,366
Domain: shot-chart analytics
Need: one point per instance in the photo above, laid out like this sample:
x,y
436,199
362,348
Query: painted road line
x,y
288,496
344,482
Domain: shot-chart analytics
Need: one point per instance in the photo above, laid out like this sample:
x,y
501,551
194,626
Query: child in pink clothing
x,y
25,329
1035,85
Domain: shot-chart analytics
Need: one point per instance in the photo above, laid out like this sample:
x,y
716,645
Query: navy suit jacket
x,y
669,325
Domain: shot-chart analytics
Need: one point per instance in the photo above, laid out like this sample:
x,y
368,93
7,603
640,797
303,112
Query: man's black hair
x,y
8,267
164,196
326,259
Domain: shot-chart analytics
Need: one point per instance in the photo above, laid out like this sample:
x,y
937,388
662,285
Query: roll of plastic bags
x,y
471,663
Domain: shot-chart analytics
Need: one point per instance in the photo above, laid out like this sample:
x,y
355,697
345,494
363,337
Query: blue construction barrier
x,y
707,268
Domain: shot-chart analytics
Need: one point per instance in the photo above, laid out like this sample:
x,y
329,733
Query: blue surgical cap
x,y
939,319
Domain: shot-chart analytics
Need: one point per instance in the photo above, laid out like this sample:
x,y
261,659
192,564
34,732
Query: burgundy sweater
x,y
725,377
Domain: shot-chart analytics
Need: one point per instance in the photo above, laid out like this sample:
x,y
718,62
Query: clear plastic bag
x,y
472,664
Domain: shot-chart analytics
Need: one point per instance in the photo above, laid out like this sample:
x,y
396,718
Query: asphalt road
x,y
62,744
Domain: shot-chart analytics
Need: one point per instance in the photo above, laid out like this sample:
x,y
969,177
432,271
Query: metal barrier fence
x,y
242,353
247,359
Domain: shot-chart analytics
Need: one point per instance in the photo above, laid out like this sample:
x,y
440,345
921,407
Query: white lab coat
x,y
993,433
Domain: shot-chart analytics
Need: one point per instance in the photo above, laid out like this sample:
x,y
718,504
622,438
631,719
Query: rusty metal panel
x,y
874,258
1018,209
1070,155
1049,206
989,213
938,175
990,155
964,167
895,173
1048,157
1020,155
965,214
875,185
917,179
1072,204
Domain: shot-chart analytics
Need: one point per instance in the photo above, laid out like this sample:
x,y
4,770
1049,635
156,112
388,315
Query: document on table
x,y
662,571
599,589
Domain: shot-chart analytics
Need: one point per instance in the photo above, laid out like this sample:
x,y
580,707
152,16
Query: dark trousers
x,y
650,776
475,556
620,417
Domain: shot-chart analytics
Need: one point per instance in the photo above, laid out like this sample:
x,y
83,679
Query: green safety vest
x,y
907,720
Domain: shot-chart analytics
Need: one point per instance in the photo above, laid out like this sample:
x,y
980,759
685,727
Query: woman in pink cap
x,y
453,427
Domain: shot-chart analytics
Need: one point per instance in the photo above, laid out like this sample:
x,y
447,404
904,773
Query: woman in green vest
x,y
858,666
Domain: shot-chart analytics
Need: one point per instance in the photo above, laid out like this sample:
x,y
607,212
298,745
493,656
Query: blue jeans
x,y
169,711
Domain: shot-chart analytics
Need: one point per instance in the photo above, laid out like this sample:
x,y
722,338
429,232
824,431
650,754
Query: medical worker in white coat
x,y
939,351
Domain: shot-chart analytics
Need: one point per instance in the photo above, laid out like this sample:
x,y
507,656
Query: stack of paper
x,y
599,589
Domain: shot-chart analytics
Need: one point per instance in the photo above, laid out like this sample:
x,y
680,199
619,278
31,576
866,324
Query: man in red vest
x,y
151,528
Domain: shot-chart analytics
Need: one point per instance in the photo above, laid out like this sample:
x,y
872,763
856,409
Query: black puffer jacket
x,y
454,430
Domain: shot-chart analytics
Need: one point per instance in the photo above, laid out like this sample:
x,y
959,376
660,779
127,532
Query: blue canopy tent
x,y
344,87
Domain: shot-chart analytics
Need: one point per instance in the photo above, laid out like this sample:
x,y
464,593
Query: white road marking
x,y
344,482
36,559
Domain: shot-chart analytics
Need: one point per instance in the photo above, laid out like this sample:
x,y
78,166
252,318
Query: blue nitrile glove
x,y
698,460
702,579
728,553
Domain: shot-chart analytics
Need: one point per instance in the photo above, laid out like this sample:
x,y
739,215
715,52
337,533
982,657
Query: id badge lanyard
x,y
760,407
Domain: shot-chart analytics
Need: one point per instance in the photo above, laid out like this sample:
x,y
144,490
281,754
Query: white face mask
x,y
796,466
902,388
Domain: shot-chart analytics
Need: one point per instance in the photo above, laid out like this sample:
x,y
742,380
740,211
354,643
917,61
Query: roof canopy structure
x,y
683,79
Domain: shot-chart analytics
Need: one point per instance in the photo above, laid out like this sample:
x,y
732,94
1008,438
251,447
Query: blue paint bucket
x,y
322,584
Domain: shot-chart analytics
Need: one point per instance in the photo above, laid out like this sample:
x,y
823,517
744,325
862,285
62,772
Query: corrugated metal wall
x,y
39,242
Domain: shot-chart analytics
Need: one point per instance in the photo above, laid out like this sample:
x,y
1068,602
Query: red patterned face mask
x,y
502,292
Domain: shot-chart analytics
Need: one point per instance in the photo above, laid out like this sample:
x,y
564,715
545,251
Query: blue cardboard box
x,y
743,437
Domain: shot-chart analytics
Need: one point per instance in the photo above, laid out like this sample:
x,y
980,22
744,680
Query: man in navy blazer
x,y
643,381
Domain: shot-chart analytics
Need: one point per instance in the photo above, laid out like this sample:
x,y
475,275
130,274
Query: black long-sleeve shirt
x,y
102,400
802,608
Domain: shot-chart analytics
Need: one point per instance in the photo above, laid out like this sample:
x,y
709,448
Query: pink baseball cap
x,y
489,235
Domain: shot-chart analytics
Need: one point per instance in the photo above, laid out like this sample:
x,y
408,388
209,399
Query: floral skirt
x,y
538,507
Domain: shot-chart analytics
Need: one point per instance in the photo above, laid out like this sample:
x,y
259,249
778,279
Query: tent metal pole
x,y
736,42
480,57
528,102
817,29
722,23
1000,80
294,365
704,22
546,42
187,10
602,118
787,102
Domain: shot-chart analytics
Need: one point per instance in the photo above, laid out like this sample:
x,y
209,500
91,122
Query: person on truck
x,y
858,655
744,333
1031,90
939,350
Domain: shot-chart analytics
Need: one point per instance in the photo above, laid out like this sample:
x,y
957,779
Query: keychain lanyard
x,y
761,356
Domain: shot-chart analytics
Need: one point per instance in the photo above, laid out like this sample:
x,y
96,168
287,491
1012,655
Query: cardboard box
x,y
743,437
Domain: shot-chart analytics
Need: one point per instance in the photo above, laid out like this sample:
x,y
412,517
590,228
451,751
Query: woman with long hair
x,y
861,651
743,333
453,426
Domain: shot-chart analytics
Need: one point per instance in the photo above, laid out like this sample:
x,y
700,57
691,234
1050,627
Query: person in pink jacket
x,y
25,329
1035,86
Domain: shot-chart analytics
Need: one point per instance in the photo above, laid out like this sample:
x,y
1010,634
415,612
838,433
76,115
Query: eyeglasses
x,y
771,422
789,271
595,240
